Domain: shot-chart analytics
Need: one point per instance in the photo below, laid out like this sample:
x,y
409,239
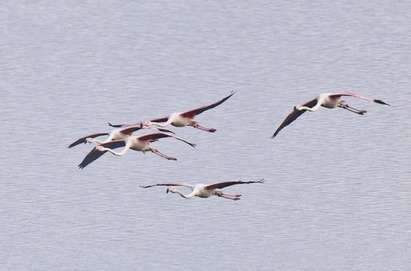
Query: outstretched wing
x,y
94,154
348,93
167,184
352,94
225,184
153,137
129,129
200,110
293,116
83,139
163,119
116,125
157,136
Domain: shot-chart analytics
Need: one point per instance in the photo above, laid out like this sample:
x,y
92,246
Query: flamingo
x,y
136,143
327,100
182,119
204,190
116,134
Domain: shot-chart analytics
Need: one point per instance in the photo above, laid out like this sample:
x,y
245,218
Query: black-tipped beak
x,y
168,190
381,102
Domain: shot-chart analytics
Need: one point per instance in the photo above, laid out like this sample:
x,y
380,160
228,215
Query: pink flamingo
x,y
204,190
136,143
327,100
116,134
182,119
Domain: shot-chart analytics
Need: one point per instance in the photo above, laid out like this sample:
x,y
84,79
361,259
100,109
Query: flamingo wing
x,y
163,119
153,137
352,94
230,183
115,125
83,139
167,184
348,93
94,154
293,116
197,111
129,129
157,136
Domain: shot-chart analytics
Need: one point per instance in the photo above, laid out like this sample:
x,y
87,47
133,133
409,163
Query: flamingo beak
x,y
168,190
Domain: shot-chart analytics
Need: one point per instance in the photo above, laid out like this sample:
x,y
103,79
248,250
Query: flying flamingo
x,y
116,134
182,119
327,100
203,190
136,143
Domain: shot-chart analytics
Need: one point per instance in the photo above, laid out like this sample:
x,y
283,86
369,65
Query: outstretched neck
x,y
182,195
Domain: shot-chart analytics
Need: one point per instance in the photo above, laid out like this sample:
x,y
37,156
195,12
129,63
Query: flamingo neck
x,y
187,196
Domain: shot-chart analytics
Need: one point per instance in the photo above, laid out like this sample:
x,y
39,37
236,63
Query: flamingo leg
x,y
198,126
155,151
352,109
228,196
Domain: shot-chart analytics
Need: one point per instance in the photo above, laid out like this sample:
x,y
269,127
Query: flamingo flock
x,y
122,136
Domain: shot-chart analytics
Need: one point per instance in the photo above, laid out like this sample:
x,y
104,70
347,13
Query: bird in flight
x,y
204,190
182,119
116,134
327,100
136,143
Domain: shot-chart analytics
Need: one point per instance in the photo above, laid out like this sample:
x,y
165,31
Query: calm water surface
x,y
338,186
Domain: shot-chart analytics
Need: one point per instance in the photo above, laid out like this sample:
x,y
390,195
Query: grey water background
x,y
338,186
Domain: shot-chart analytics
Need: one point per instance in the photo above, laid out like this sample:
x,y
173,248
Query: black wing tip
x,y
114,125
257,181
144,186
381,102
275,133
74,144
193,145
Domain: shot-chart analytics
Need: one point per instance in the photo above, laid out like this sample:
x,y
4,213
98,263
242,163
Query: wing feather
x,y
94,154
153,137
230,183
129,129
200,110
163,119
83,139
293,116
